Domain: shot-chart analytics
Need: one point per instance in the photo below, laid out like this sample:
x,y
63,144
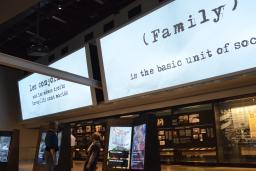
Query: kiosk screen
x,y
138,147
119,147
5,142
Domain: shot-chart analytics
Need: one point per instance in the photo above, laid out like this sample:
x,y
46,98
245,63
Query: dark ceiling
x,y
55,26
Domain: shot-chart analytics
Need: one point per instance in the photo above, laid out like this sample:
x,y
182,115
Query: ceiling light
x,y
59,7
38,50
59,19
99,1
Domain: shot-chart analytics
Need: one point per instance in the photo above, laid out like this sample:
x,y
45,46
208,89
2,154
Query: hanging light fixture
x,y
38,47
59,7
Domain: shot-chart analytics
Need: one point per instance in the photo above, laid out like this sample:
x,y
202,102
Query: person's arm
x,y
92,157
51,142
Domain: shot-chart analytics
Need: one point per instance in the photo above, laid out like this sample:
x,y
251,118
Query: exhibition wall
x,y
10,113
8,100
9,97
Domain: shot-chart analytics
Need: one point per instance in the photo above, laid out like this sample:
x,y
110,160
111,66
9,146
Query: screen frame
x,y
150,92
125,122
130,151
90,74
7,134
145,143
59,133
40,138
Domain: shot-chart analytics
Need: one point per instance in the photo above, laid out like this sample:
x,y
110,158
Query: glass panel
x,y
194,137
237,130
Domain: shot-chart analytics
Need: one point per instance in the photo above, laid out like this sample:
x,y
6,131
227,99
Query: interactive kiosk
x,y
132,145
63,162
9,150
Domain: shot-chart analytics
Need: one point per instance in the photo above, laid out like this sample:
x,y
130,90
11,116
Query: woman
x,y
93,153
51,143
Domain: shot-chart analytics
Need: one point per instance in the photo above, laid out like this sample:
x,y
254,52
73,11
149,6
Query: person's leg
x,y
49,161
71,156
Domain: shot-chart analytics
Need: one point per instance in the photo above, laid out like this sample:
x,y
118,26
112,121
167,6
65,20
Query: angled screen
x,y
40,157
59,145
138,147
5,142
42,95
119,147
179,44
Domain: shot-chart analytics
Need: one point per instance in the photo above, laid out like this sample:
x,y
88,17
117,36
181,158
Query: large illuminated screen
x,y
42,95
179,44
5,142
119,147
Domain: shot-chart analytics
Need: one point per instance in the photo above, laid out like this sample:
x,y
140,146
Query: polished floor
x,y
78,166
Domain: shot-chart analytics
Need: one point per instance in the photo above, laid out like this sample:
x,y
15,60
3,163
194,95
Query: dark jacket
x,y
51,141
93,155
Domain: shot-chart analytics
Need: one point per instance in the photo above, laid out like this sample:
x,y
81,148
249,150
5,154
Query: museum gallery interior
x,y
164,84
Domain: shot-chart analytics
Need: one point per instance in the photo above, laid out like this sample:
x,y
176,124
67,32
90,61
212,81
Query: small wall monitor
x,y
5,142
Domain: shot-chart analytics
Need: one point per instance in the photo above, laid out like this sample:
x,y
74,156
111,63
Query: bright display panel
x,y
119,147
40,157
5,142
59,145
179,44
42,95
138,147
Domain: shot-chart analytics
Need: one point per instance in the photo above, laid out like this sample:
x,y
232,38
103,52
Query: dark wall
x,y
9,99
10,115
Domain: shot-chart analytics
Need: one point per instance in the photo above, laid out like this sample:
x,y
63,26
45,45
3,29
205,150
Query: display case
x,y
82,132
167,155
187,134
164,131
193,131
236,120
197,155
165,136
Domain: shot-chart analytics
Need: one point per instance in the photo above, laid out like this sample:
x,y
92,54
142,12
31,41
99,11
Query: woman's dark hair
x,y
95,136
53,125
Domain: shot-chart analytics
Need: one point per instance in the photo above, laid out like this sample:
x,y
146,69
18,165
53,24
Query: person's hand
x,y
53,153
87,166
